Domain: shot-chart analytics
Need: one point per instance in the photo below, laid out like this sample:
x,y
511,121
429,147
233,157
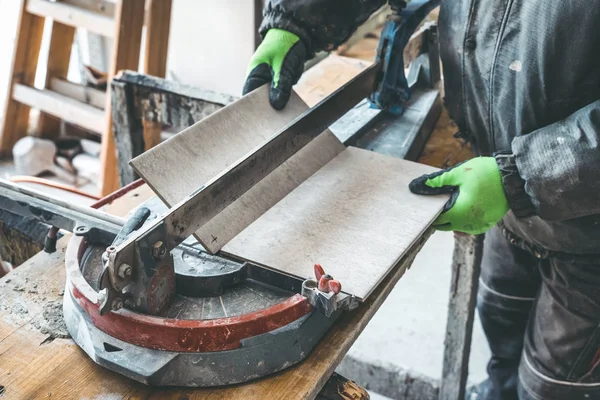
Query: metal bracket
x,y
330,302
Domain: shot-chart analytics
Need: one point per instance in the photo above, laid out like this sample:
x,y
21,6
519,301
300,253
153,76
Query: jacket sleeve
x,y
320,24
554,172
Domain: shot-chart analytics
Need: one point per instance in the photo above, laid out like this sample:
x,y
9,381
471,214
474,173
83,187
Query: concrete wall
x,y
211,43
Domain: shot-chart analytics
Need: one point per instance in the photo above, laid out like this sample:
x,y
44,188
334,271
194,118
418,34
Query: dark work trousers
x,y
541,316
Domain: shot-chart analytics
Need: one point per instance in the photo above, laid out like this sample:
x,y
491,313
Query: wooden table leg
x,y
466,266
340,388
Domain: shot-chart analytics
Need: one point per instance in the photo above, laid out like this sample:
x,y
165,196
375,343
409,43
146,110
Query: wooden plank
x,y
327,76
59,57
104,7
126,130
129,20
84,94
73,16
33,365
355,216
15,118
217,142
60,106
466,267
158,25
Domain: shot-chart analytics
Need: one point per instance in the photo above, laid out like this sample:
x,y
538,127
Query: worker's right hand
x,y
279,60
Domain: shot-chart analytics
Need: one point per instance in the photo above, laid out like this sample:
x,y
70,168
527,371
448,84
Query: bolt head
x,y
124,270
117,304
159,250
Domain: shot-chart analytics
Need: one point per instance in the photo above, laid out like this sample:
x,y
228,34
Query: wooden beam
x,y
466,266
59,57
84,94
62,107
126,129
158,25
129,20
73,16
15,119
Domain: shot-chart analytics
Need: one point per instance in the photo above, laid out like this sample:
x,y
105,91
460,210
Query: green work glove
x,y
477,199
279,60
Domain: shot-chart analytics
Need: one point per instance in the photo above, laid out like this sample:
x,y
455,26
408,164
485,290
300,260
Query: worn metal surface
x,y
52,211
466,266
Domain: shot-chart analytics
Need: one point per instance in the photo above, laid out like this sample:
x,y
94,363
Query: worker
x,y
522,83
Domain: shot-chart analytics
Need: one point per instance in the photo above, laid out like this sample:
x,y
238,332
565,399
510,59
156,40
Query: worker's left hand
x,y
477,201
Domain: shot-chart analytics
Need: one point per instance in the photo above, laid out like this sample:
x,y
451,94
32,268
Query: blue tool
x,y
392,90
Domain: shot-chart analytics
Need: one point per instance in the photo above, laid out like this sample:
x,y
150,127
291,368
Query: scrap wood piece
x,y
340,388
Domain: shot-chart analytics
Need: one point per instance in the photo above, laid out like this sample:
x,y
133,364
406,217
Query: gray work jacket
x,y
522,82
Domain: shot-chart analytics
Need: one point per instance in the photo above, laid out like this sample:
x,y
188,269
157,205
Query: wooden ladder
x,y
88,108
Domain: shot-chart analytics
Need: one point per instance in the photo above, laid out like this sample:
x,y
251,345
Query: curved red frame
x,y
172,334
